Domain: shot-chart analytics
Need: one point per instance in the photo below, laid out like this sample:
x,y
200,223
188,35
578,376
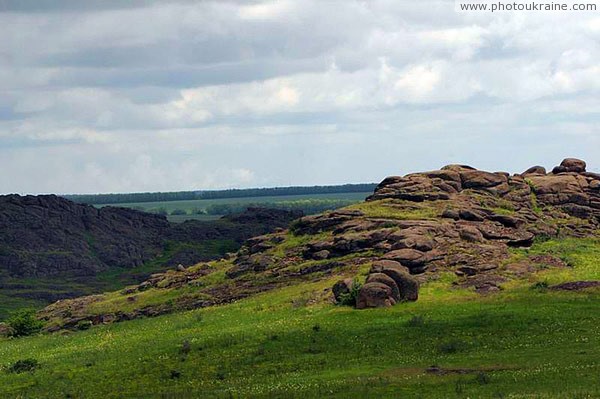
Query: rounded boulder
x,y
375,295
387,280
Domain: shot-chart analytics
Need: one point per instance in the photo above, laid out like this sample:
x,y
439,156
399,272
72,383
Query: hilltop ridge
x,y
52,248
415,229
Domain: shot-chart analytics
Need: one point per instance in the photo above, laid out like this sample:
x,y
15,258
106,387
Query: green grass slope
x,y
527,341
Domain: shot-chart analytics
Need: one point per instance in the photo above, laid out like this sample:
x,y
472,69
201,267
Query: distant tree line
x,y
308,206
102,199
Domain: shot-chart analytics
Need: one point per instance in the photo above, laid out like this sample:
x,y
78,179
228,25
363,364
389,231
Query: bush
x,y
482,378
452,346
176,212
22,366
24,323
349,299
540,286
159,211
416,321
84,325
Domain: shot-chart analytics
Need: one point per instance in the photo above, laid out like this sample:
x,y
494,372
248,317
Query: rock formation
x,y
52,238
48,235
414,229
478,215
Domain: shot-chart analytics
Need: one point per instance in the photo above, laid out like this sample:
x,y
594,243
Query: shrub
x,y
349,299
540,286
176,212
84,325
24,323
186,347
450,347
220,374
22,366
300,302
416,321
159,211
482,378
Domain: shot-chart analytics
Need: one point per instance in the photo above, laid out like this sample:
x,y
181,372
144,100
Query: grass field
x,y
524,342
193,205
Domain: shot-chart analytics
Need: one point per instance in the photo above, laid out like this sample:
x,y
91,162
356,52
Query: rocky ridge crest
x,y
413,228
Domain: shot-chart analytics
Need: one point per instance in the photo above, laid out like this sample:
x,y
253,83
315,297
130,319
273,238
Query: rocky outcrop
x,y
484,215
413,229
576,285
50,237
47,235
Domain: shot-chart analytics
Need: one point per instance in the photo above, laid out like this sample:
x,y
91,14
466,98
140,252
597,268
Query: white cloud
x,y
266,10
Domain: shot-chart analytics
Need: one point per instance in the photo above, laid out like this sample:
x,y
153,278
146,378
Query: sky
x,y
105,96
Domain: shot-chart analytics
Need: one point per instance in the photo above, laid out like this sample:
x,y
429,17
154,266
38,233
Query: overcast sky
x,y
115,96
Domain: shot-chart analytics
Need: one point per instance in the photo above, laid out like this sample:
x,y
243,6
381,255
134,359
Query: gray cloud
x,y
105,96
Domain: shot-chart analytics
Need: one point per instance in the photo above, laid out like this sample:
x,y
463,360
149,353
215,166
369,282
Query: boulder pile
x,y
481,215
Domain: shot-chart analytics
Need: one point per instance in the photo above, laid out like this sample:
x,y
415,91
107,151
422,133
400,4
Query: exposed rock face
x,y
387,280
50,237
576,285
569,185
47,235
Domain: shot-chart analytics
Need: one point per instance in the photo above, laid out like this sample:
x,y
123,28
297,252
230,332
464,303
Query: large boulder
x,y
480,179
470,233
387,280
382,264
571,165
535,170
417,187
418,242
407,256
375,295
560,189
407,284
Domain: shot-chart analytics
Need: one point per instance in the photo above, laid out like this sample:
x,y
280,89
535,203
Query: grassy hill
x,y
505,267
528,341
